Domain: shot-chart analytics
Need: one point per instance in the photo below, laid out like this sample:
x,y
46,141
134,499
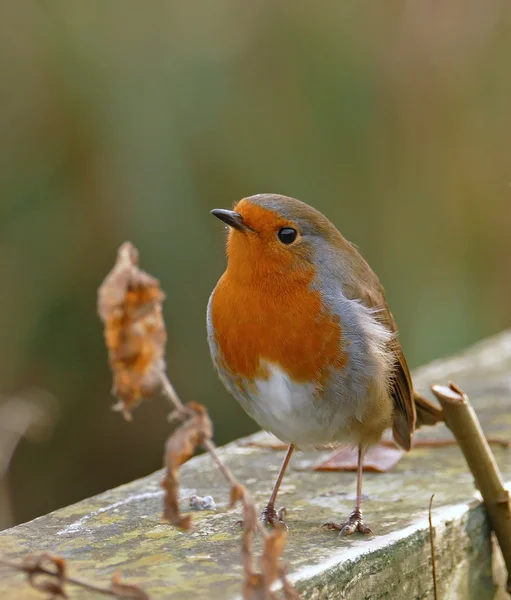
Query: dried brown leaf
x,y
378,459
124,590
129,304
257,586
254,588
46,573
180,447
249,517
272,553
237,493
249,525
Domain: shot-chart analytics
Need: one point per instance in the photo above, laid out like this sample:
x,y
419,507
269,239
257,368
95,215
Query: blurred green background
x,y
129,120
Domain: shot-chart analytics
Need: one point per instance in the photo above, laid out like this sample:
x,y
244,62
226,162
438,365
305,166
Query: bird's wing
x,y
401,385
367,288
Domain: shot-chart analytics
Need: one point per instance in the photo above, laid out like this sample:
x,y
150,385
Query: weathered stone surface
x,y
121,530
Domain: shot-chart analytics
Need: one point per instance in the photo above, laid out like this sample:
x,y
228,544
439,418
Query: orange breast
x,y
283,322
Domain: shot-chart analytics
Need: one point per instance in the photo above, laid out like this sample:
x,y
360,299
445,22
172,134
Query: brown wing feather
x,y
402,388
366,286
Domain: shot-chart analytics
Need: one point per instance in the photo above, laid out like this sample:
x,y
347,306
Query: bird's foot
x,y
355,522
273,518
269,517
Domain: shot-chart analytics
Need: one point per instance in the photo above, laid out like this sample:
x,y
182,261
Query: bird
x,y
301,335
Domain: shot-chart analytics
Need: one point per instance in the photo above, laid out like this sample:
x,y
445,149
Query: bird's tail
x,y
427,413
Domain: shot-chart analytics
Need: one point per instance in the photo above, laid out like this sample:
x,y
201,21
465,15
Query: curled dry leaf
x,y
129,304
272,553
249,526
124,590
46,573
180,447
257,585
237,493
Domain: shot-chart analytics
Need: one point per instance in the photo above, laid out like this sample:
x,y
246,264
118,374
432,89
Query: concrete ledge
x,y
121,530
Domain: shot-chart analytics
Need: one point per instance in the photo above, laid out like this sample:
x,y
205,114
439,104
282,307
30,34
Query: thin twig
x,y
228,474
170,393
271,569
432,543
38,568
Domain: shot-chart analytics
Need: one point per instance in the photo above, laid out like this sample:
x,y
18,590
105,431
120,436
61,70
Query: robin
x,y
301,335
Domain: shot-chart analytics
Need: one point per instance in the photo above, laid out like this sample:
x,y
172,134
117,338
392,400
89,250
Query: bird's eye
x,y
287,235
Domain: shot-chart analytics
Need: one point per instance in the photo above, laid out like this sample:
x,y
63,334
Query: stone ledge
x,y
120,530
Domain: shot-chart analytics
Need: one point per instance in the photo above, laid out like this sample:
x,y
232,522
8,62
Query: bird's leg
x,y
270,516
355,522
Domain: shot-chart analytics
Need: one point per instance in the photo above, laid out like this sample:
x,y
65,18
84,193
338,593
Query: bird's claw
x,y
269,517
354,523
273,518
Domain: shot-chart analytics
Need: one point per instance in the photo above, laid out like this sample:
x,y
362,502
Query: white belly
x,y
295,412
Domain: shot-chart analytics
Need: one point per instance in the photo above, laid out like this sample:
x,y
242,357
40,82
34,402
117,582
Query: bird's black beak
x,y
231,218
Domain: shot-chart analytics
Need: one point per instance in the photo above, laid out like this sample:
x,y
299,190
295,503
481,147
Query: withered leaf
x,y
249,525
180,447
255,589
124,590
272,553
46,573
257,586
237,493
380,458
130,306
